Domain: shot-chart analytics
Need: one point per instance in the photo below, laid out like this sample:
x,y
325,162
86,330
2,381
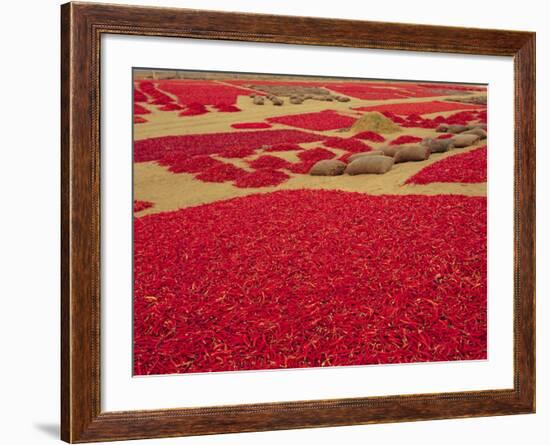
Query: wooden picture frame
x,y
82,26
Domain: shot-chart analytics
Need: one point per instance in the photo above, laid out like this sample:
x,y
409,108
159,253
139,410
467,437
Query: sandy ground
x,y
169,191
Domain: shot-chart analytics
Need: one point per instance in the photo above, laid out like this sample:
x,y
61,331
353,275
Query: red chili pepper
x,y
405,139
467,167
349,279
319,121
249,125
408,108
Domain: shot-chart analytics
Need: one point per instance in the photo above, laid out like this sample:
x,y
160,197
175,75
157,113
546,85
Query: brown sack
x,y
412,153
479,131
328,167
390,150
456,129
342,98
437,145
445,128
276,101
370,164
465,140
355,156
482,126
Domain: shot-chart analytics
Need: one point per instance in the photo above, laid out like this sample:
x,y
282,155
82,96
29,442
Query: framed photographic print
x,y
285,222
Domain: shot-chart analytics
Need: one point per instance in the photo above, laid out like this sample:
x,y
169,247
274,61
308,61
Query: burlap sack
x,y
478,131
465,140
370,164
328,167
472,126
390,150
355,156
445,128
438,145
412,153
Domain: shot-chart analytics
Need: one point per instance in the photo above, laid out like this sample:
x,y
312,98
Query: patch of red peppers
x,y
470,167
349,279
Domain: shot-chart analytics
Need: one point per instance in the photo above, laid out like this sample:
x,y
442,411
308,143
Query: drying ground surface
x,y
242,260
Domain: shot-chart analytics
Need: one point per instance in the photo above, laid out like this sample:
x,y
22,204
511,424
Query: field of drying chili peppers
x,y
246,259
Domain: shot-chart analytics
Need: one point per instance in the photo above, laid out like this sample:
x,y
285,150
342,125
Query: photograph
x,y
284,221
275,222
